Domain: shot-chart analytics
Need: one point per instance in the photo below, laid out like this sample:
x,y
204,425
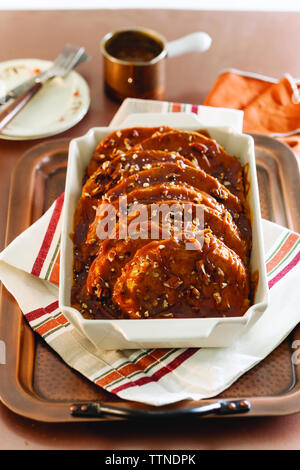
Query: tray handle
x,y
97,409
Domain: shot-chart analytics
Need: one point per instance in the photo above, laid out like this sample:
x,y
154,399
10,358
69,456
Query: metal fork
x,y
64,62
20,89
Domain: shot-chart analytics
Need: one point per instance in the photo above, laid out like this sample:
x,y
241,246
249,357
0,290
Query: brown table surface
x,y
267,43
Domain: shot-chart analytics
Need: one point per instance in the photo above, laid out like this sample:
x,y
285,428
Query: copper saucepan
x,y
134,60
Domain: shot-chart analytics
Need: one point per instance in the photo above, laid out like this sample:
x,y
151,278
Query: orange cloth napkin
x,y
271,108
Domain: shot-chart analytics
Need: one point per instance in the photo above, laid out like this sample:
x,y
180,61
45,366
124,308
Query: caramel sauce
x,y
134,46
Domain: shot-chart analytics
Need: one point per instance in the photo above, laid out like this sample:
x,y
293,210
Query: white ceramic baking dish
x,y
166,333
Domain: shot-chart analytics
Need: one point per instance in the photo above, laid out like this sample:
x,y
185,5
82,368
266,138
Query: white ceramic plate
x,y
58,106
191,332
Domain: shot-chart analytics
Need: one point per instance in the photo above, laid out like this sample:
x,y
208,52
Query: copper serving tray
x,y
37,384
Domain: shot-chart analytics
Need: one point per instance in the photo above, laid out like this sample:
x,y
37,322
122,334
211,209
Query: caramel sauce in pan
x,y
134,46
101,303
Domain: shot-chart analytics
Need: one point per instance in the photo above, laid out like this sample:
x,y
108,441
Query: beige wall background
x,y
253,5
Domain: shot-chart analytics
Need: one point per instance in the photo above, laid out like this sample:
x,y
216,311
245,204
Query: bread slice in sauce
x,y
166,278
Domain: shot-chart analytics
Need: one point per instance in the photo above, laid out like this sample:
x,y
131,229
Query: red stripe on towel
x,y
287,268
159,373
39,262
39,312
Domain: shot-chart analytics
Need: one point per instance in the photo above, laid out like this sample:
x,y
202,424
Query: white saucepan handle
x,y
199,42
